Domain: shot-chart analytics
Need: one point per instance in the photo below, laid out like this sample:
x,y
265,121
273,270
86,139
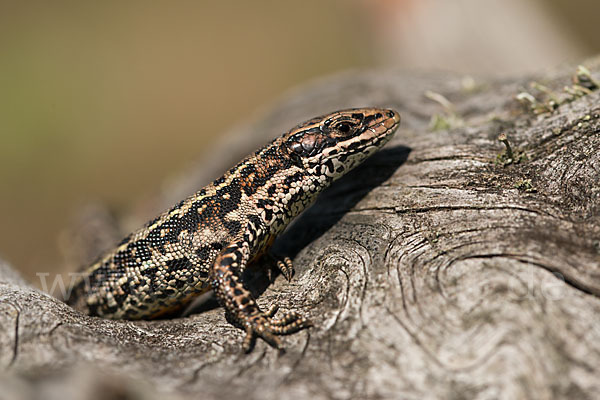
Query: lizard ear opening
x,y
295,150
302,147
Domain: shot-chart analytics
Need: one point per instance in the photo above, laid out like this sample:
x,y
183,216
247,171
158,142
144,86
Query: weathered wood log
x,y
444,267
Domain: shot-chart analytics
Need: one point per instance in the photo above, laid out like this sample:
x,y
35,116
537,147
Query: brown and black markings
x,y
206,241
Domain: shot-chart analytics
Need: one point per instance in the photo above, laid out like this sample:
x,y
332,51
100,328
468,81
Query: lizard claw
x,y
268,328
285,267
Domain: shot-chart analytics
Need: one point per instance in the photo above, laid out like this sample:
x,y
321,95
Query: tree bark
x,y
443,267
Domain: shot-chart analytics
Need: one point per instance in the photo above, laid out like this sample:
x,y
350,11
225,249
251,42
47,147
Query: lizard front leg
x,y
240,305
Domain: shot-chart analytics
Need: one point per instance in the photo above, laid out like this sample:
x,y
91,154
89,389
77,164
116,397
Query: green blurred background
x,y
105,100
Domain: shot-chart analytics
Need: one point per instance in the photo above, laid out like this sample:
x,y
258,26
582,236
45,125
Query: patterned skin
x,y
206,241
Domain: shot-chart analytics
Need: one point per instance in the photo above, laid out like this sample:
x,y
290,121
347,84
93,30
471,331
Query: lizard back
x,y
206,241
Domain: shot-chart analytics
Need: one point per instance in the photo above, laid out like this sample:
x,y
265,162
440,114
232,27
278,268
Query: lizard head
x,y
333,144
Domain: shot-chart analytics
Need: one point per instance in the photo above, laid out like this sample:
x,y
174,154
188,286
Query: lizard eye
x,y
344,127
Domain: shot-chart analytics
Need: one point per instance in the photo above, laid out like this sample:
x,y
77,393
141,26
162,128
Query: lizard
x,y
206,241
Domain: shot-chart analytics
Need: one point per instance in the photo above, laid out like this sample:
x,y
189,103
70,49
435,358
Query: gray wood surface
x,y
432,271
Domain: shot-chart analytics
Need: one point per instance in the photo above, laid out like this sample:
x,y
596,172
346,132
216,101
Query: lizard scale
x,y
206,241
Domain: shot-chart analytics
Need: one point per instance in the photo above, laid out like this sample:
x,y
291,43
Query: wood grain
x,y
432,271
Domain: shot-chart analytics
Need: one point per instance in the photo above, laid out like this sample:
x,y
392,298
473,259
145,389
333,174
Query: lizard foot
x,y
265,326
285,266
